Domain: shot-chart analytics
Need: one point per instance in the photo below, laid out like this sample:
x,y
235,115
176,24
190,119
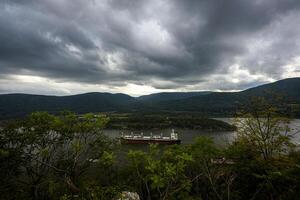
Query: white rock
x,y
129,196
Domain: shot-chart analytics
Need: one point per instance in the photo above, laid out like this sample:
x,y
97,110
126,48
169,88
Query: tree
x,y
262,149
163,176
55,151
265,126
212,177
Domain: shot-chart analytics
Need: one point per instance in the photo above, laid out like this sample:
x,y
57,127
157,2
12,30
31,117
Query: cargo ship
x,y
143,139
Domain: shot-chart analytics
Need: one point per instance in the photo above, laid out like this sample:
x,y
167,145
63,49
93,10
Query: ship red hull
x,y
153,141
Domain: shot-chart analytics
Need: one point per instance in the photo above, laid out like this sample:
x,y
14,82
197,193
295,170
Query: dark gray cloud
x,y
164,44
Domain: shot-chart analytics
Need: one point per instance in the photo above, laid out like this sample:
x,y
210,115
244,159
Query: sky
x,y
138,47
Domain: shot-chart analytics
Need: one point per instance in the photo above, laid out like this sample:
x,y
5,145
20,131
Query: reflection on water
x,y
187,136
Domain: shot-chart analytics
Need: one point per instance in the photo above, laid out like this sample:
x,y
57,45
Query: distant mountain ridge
x,y
208,103
15,105
219,103
166,96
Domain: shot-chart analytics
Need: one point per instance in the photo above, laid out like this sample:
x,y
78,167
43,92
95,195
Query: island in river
x,y
134,121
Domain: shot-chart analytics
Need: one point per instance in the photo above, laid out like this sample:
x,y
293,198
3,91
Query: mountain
x,y
16,105
207,103
226,103
287,87
166,96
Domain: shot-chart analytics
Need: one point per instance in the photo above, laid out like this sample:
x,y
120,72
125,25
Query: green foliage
x,y
162,175
263,126
67,157
59,148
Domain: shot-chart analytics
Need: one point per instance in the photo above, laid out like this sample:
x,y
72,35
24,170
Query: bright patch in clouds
x,y
40,85
237,74
292,69
137,90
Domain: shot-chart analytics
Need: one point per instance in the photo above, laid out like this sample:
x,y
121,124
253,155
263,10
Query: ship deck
x,y
149,140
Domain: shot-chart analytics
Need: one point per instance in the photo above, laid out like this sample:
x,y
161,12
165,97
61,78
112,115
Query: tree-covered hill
x,y
226,103
166,96
206,103
16,105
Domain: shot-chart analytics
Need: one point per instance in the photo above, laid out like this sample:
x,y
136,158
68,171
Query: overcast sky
x,y
62,47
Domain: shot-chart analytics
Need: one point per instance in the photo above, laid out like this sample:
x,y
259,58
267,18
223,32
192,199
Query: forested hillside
x,y
206,103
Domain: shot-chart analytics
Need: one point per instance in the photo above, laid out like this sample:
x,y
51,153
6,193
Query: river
x,y
187,136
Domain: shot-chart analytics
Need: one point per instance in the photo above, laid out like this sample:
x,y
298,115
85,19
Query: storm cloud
x,y
138,46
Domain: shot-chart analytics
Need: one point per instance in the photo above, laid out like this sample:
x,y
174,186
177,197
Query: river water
x,y
187,136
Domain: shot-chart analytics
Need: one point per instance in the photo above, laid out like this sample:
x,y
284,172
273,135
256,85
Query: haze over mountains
x,y
207,103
